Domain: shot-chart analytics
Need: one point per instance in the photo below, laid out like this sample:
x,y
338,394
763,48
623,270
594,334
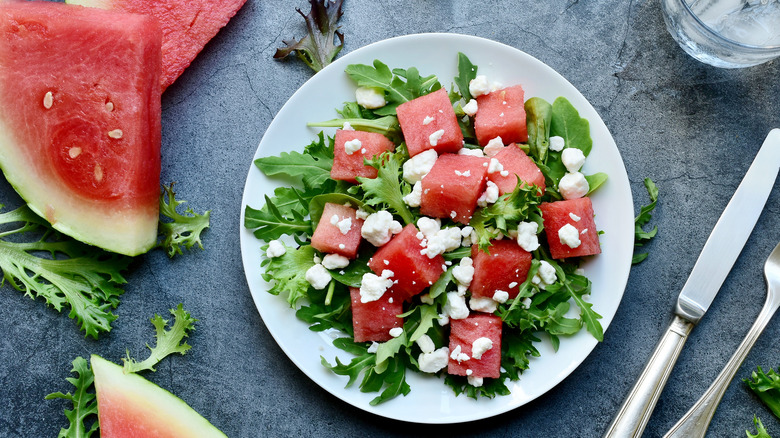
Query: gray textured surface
x,y
692,128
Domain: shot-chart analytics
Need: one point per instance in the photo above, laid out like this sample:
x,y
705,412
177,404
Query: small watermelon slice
x,y
186,25
80,120
131,406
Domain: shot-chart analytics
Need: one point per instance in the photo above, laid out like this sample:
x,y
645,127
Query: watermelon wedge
x,y
187,26
131,406
80,120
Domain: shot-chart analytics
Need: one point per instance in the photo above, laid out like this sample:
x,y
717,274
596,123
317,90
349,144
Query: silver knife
x,y
716,260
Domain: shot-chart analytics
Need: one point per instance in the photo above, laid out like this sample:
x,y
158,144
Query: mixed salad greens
x,y
293,212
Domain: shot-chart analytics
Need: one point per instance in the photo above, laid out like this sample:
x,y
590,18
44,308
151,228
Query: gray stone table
x,y
692,128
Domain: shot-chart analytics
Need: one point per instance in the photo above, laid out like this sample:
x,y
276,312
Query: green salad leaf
x,y
539,119
289,272
179,230
388,188
504,215
641,236
312,167
466,73
399,85
766,385
83,416
317,48
760,429
168,341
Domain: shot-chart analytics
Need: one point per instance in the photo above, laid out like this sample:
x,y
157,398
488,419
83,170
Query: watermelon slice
x,y
80,120
131,406
186,25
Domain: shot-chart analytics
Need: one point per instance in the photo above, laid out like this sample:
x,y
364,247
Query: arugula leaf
x,y
399,85
517,347
289,272
466,72
595,181
312,167
539,119
84,402
641,236
270,223
490,388
335,315
176,229
168,341
387,125
760,429
317,49
385,189
61,270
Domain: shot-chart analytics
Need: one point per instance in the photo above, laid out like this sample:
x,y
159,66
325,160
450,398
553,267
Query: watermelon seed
x,y
98,173
109,106
116,133
48,100
74,152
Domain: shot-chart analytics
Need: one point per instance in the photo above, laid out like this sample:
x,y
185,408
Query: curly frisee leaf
x,y
177,229
168,341
85,407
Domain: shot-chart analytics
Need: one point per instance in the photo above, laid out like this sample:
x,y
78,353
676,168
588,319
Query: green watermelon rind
x,y
111,377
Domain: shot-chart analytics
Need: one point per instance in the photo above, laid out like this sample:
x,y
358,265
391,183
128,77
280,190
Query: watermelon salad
x,y
437,231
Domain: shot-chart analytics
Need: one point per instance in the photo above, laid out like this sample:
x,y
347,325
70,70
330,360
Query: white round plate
x,y
430,400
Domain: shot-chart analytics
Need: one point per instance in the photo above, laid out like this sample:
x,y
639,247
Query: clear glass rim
x,y
717,35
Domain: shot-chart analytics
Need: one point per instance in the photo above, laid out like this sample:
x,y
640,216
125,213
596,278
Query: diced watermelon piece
x,y
80,120
412,270
463,333
373,320
421,117
452,187
131,406
559,213
518,164
347,167
501,114
507,263
329,238
186,26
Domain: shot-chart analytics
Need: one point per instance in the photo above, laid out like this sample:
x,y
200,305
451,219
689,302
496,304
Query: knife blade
x,y
712,267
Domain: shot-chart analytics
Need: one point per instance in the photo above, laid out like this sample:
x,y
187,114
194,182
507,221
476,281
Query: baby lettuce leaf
x,y
177,230
565,122
466,72
539,118
85,408
641,236
317,48
168,341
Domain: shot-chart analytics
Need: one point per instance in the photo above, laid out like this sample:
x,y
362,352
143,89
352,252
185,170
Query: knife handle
x,y
632,417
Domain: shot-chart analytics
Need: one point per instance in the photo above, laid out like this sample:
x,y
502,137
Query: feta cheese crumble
x,y
472,152
414,198
419,165
483,304
434,361
495,166
458,355
442,241
471,107
370,97
396,331
379,227
573,159
573,185
434,138
426,344
526,236
493,147
574,217
480,346
455,308
489,196
372,286
344,225
352,146
464,272
335,261
569,236
318,277
479,86
275,249
347,127
475,381
557,143
427,120
546,275
500,296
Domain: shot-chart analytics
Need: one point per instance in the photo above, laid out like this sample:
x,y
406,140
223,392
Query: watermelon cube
x,y
373,320
463,333
338,231
578,213
429,122
412,270
501,114
517,164
505,268
452,187
347,166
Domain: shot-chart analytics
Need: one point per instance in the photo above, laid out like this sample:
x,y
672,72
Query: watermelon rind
x,y
134,406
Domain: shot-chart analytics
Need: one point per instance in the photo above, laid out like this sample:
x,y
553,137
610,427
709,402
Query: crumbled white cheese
x,y
419,165
275,249
455,307
500,296
475,381
443,241
495,166
464,272
352,146
434,138
369,97
361,214
427,120
574,217
347,127
426,344
569,236
372,286
472,152
443,319
428,227
479,86
414,198
373,347
344,225
547,273
480,346
458,355
379,227
489,196
493,147
396,331
526,236
335,261
471,107
557,143
573,159
573,186
483,304
318,277
434,361
466,173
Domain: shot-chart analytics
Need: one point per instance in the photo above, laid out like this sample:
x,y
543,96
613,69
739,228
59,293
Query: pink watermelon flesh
x,y
412,271
452,187
436,109
328,237
507,263
372,321
347,167
501,114
186,26
557,214
80,119
463,333
517,164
